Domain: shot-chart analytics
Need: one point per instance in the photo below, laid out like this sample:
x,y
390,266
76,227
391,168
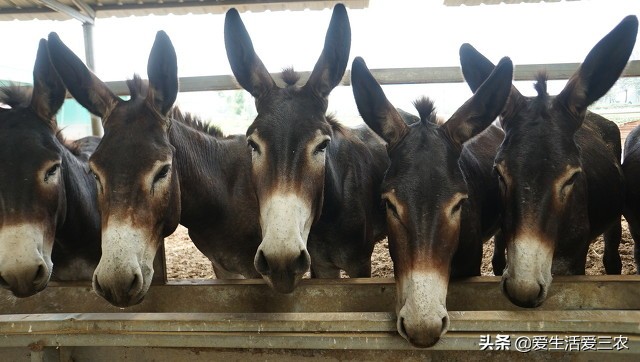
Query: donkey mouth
x,y
122,301
24,293
533,299
25,287
284,283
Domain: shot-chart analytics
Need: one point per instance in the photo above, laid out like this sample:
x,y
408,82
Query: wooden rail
x,y
329,319
387,76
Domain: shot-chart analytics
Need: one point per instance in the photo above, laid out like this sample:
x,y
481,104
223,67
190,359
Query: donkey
x,y
631,170
49,221
559,170
441,197
156,167
317,182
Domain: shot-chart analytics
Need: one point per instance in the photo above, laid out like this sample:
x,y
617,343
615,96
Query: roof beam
x,y
84,7
62,8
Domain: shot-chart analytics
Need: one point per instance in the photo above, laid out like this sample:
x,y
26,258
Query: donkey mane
x,y
289,76
541,85
15,95
138,88
426,109
73,147
193,121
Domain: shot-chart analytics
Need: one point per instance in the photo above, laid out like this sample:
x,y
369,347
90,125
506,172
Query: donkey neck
x,y
81,230
212,172
354,168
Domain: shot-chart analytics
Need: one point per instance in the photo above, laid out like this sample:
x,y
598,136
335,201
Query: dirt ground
x,y
184,260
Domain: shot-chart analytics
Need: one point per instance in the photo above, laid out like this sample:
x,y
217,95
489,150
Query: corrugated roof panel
x,y
34,9
496,2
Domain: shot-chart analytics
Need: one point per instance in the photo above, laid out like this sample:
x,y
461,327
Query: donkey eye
x,y
321,147
254,146
568,185
391,208
164,171
501,180
51,172
572,180
97,178
498,173
458,206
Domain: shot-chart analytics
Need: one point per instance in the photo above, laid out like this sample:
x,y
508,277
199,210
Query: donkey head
x,y
539,166
290,139
138,188
426,193
32,189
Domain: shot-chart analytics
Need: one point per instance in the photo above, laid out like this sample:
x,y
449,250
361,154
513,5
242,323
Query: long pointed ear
x,y
483,107
48,90
476,68
600,70
162,69
332,63
245,63
83,85
374,107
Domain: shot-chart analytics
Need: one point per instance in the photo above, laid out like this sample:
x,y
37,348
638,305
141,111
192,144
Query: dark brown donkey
x,y
559,170
631,170
315,179
155,168
441,196
48,212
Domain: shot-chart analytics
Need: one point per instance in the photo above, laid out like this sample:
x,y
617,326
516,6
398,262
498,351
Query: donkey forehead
x,y
24,119
538,146
131,151
25,145
134,125
134,112
290,110
285,126
424,160
539,115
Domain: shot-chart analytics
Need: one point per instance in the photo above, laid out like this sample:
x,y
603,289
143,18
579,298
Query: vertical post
x,y
87,29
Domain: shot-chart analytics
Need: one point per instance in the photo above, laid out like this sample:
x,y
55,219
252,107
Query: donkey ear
x,y
48,90
245,63
600,70
483,107
83,85
162,69
374,107
333,61
475,66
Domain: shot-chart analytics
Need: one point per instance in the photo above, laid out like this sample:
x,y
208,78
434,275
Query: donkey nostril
x,y
401,329
136,284
541,292
41,274
302,262
96,286
3,283
504,285
261,264
445,323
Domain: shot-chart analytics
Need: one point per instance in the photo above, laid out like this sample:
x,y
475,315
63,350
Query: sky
x,y
388,34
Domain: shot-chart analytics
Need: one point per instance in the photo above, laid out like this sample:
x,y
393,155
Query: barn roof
x,y
496,2
85,10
